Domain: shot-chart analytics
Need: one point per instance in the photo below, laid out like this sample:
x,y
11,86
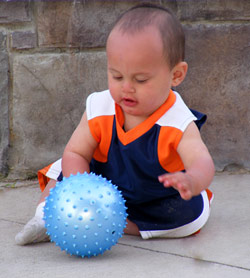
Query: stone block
x,y
53,19
218,84
14,11
90,24
49,93
80,23
2,41
4,116
193,10
23,40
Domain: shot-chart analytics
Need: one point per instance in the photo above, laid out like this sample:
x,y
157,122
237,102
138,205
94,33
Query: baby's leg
x,y
34,230
131,229
199,206
169,217
45,193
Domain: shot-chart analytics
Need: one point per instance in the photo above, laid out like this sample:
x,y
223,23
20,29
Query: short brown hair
x,y
146,14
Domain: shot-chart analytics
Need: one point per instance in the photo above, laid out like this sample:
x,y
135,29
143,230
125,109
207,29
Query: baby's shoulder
x,y
100,104
178,115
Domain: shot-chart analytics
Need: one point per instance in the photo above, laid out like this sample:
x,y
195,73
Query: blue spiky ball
x,y
85,215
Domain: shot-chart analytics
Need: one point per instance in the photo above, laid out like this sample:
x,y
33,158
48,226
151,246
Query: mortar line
x,y
12,221
183,256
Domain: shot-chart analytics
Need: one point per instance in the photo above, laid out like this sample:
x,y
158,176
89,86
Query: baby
x,y
139,134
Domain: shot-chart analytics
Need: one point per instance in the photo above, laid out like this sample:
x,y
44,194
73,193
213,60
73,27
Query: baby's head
x,y
147,15
145,52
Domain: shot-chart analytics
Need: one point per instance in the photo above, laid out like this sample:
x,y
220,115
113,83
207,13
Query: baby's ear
x,y
179,73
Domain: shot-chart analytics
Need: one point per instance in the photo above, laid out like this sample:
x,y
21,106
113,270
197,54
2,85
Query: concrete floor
x,y
221,249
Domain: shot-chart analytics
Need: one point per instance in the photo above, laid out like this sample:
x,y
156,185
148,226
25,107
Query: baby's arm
x,y
198,164
79,150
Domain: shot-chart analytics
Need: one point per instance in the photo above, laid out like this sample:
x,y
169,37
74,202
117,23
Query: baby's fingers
x,y
185,193
169,180
175,181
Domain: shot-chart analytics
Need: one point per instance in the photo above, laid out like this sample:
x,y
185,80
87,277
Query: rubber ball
x,y
85,215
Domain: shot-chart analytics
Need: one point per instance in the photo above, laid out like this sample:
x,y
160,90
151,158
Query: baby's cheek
x,y
114,91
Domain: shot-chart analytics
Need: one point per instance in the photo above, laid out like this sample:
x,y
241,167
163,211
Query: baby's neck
x,y
131,122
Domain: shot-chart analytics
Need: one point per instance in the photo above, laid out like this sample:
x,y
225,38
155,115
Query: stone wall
x,y
52,56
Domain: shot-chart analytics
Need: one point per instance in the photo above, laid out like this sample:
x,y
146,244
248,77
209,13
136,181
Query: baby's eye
x,y
141,80
117,77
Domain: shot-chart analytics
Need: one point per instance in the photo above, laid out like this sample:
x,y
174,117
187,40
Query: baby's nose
x,y
127,87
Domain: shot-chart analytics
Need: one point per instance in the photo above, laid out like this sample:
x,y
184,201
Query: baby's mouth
x,y
129,102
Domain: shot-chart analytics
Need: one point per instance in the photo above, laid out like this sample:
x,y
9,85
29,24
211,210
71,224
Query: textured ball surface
x,y
85,215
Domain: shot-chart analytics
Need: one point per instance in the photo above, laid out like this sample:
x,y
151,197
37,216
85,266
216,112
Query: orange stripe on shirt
x,y
169,138
101,129
42,178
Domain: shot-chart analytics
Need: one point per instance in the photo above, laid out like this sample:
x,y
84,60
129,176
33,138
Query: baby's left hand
x,y
180,181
